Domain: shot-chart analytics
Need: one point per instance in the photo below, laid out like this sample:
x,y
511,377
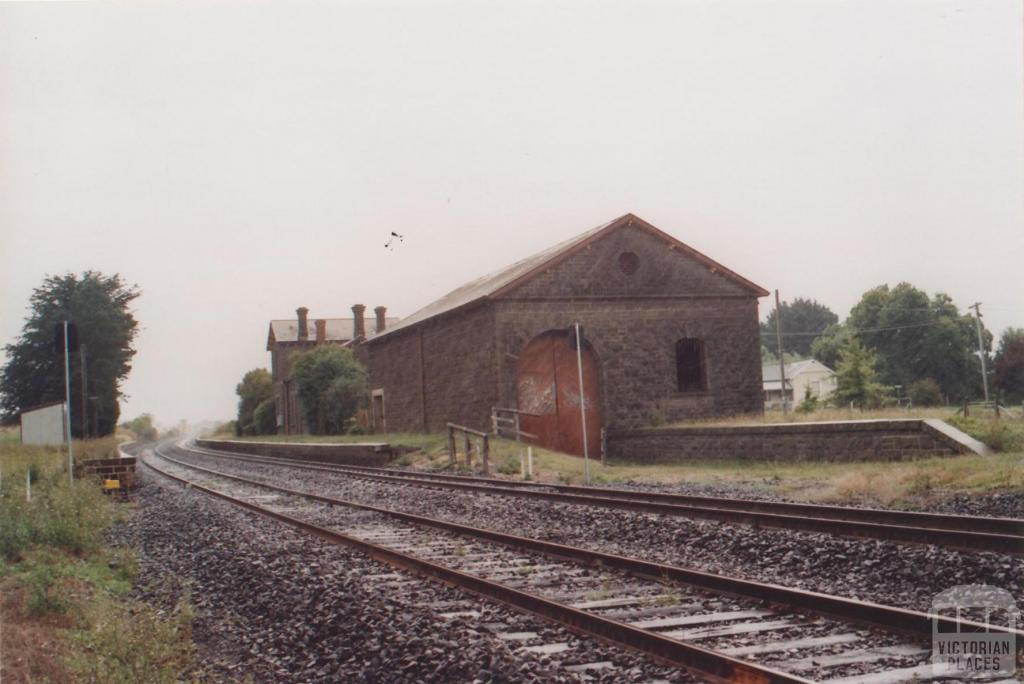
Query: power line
x,y
857,330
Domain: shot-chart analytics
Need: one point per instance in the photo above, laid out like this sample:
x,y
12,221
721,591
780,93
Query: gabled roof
x,y
510,277
337,329
770,371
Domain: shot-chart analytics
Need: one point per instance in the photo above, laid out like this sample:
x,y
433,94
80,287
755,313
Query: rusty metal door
x,y
548,384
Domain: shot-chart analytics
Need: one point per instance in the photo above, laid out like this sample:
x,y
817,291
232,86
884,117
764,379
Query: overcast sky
x,y
239,160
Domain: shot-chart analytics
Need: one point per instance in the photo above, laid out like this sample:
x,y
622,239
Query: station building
x,y
287,336
669,335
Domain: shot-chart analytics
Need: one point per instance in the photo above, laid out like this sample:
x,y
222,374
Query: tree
x,y
331,385
829,344
34,372
143,427
264,418
802,322
809,404
916,337
1008,369
925,392
856,377
257,386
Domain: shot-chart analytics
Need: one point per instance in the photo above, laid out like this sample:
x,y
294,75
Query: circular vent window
x,y
628,263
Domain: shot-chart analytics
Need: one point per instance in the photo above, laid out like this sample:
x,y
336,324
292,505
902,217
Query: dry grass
x,y
888,484
16,457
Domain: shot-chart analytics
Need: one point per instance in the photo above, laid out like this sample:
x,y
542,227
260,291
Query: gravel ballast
x,y
274,604
902,575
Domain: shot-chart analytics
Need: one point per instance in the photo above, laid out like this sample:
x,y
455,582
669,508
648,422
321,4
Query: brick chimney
x,y
321,331
381,321
301,312
358,325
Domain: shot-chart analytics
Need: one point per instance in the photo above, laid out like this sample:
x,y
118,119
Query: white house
x,y
800,375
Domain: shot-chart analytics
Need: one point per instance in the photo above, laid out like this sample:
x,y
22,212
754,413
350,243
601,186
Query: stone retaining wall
x,y
374,455
857,440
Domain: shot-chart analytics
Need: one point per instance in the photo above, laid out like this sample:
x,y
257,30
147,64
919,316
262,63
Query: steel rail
x,y
939,521
942,521
900,620
720,511
701,661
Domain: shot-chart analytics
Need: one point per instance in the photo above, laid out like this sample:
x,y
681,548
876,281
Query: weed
x,y
124,564
1000,434
666,600
44,594
598,594
509,466
127,646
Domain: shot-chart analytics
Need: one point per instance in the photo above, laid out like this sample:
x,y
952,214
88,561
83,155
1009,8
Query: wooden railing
x,y
505,423
483,450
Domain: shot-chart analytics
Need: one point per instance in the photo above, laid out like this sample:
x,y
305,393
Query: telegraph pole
x,y
782,355
85,410
981,347
67,399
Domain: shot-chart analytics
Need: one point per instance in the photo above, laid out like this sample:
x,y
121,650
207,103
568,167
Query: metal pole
x,y
782,354
583,406
981,349
67,398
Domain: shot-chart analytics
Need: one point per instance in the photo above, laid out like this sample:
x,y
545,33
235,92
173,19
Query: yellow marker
x,y
112,484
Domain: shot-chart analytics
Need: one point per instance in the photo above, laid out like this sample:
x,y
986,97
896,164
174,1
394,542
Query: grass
x,y
66,611
429,442
824,415
878,483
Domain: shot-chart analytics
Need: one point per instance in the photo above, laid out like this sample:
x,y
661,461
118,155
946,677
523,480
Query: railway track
x,y
974,533
719,628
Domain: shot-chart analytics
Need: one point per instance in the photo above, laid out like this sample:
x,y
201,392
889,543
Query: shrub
x,y
1000,435
44,594
925,392
68,516
510,466
143,428
809,404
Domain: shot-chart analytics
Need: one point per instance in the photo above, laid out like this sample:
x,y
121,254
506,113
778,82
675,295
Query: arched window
x,y
690,372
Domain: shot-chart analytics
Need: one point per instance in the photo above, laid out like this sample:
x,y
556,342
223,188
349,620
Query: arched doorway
x,y
547,382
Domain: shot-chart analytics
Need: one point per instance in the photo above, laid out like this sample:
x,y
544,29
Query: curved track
x,y
631,610
976,533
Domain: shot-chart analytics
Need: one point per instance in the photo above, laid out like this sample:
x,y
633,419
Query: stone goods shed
x,y
669,335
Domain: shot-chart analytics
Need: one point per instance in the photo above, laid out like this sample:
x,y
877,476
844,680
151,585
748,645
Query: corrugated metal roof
x,y
337,329
495,282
